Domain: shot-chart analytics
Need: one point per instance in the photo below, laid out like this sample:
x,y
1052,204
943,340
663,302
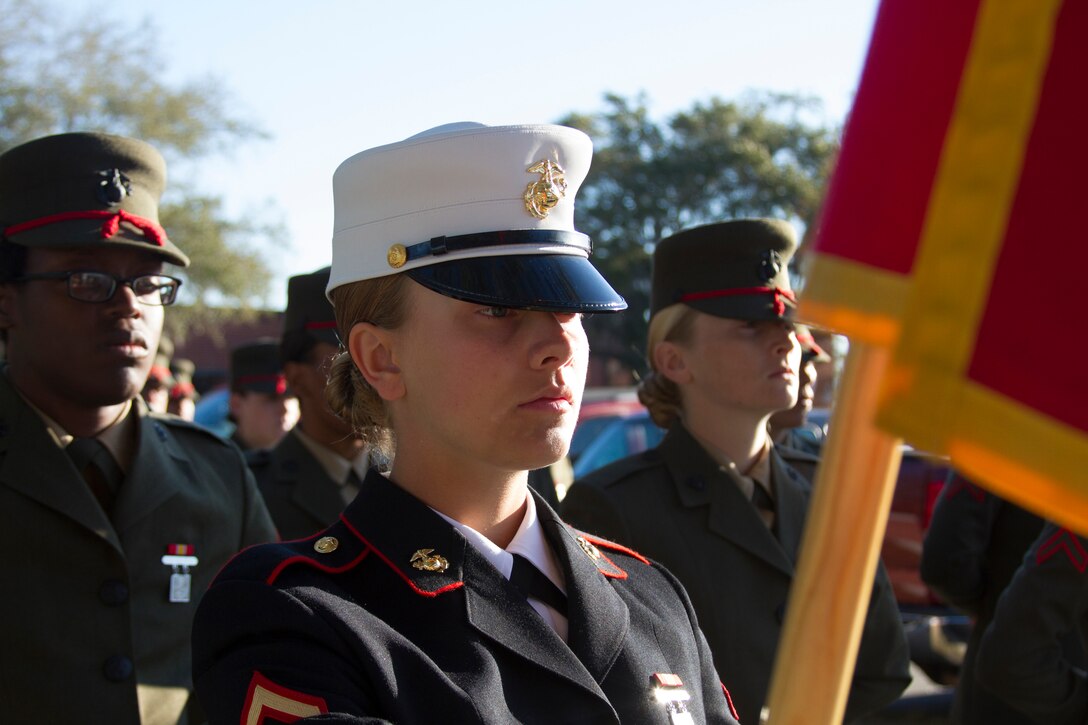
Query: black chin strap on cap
x,y
439,246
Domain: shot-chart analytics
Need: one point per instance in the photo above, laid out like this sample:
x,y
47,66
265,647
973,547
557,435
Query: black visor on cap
x,y
547,282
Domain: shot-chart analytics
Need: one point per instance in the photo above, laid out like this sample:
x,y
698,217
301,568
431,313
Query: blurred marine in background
x,y
315,470
261,407
975,543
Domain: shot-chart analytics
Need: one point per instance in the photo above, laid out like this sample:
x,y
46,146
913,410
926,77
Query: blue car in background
x,y
213,412
618,437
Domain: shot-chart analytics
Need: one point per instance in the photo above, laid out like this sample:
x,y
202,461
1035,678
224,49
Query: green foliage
x,y
719,160
96,73
221,260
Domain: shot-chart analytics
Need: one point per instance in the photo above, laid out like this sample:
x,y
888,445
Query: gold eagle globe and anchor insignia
x,y
590,550
541,196
424,561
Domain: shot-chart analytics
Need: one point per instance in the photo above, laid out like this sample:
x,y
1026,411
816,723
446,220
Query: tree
x,y
719,160
96,73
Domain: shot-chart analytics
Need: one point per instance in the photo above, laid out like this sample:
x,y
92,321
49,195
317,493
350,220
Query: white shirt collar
x,y
529,541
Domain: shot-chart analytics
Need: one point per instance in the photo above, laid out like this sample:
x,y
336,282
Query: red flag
x,y
876,205
990,323
920,258
951,231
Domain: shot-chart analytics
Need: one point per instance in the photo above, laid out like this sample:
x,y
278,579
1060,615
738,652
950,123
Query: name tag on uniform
x,y
669,691
180,584
180,558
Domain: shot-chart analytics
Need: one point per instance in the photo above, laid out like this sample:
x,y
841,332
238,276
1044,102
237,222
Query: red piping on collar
x,y
618,574
308,560
422,592
729,701
112,223
614,546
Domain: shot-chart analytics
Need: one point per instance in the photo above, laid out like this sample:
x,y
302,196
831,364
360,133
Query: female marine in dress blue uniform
x,y
447,592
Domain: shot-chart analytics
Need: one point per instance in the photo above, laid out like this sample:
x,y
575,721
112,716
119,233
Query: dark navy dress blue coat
x,y
361,635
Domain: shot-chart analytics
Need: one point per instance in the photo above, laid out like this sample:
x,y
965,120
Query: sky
x,y
329,78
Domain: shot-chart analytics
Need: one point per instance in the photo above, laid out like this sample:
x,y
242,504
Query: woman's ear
x,y
670,361
371,349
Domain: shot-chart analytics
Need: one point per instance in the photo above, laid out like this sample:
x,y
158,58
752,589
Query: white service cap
x,y
481,213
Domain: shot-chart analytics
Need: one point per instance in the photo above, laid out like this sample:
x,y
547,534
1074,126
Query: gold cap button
x,y
397,256
326,545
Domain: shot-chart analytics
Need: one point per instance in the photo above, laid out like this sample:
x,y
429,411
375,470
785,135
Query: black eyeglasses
x,y
150,289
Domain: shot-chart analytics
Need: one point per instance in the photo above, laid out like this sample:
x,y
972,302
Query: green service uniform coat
x,y
349,627
300,495
674,505
974,545
86,618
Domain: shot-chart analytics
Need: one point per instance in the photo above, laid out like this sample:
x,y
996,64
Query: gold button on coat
x,y
326,545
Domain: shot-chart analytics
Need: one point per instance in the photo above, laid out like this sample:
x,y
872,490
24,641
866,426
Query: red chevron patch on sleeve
x,y
1064,540
266,702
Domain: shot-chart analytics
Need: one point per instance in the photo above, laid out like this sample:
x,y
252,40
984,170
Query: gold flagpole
x,y
839,552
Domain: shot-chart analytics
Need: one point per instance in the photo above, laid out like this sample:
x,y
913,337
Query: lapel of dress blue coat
x,y
32,463
395,525
311,488
700,482
598,619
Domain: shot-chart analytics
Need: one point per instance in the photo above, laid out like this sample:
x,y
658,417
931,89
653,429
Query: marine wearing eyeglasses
x,y
96,489
149,289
